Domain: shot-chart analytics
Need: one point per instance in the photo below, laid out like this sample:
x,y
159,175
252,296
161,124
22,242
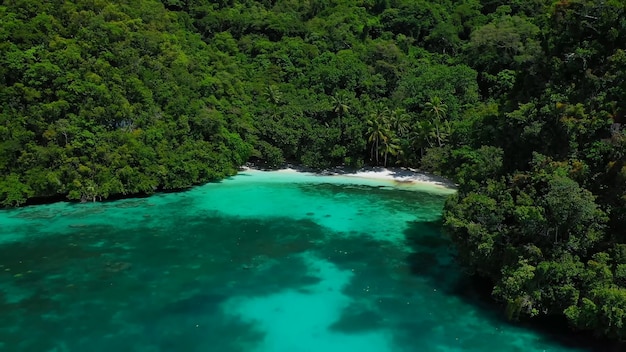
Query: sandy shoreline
x,y
398,175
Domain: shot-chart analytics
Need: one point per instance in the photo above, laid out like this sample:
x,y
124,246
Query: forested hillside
x,y
520,102
102,98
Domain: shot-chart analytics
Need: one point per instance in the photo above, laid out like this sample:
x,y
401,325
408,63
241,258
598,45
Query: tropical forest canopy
x,y
520,102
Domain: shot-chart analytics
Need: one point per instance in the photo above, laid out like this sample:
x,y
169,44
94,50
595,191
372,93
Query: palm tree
x,y
390,146
437,109
400,122
339,104
442,131
375,134
420,137
378,130
341,109
272,95
406,154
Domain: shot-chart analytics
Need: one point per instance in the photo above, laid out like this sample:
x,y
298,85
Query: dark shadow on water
x,y
477,291
160,286
358,318
432,258
431,255
202,302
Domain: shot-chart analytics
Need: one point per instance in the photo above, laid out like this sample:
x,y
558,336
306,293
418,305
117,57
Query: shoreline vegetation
x,y
396,175
519,103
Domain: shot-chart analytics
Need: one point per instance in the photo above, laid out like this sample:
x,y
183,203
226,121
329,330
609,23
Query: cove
x,y
263,261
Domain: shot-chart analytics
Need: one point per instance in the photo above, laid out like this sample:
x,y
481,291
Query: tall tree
x,y
438,110
341,109
378,131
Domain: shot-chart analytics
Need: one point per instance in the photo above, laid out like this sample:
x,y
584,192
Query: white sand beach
x,y
401,177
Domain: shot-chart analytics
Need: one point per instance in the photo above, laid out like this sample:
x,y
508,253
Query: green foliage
x,y
531,233
521,103
544,224
506,45
13,192
103,99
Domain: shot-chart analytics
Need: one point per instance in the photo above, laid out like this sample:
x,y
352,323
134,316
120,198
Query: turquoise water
x,y
280,262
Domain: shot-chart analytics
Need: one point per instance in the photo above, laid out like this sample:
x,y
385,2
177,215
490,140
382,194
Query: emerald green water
x,y
268,262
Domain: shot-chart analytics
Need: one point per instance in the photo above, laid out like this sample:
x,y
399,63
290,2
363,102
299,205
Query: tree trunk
x,y
438,135
377,152
340,130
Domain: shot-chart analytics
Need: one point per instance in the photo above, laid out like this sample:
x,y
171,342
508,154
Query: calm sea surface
x,y
264,261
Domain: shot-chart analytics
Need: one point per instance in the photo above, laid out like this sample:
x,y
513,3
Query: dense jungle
x,y
521,103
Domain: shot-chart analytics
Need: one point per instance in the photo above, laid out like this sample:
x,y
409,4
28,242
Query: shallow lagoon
x,y
280,262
